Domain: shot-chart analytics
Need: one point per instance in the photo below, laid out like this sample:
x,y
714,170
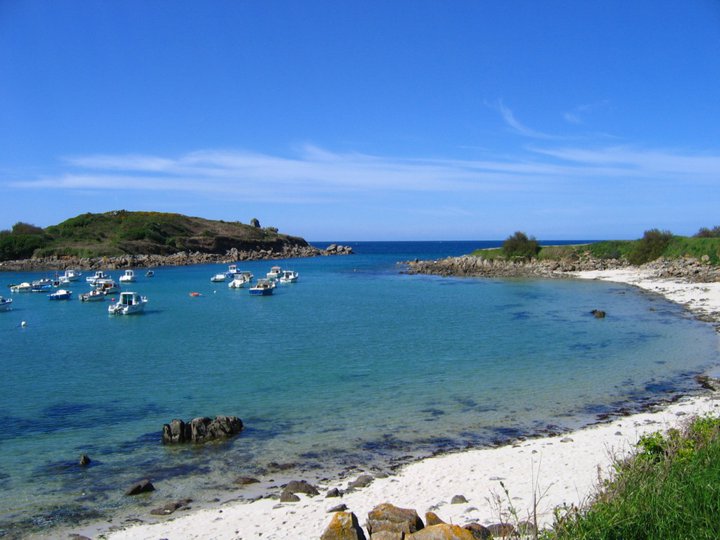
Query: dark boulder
x,y
200,430
598,313
170,507
301,486
143,486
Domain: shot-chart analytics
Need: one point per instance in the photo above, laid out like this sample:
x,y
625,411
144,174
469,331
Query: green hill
x,y
137,233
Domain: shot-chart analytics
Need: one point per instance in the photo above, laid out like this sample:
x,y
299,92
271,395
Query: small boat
x,y
218,278
60,294
274,272
128,304
195,294
99,274
96,295
5,303
127,277
238,282
263,287
149,273
108,286
231,271
21,287
70,275
41,285
289,276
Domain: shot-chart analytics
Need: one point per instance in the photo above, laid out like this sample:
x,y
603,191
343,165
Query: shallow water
x,y
355,365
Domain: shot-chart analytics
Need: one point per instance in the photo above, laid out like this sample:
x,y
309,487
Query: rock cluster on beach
x,y
689,269
182,258
389,522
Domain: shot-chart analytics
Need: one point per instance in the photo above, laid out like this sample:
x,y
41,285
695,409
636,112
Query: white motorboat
x,y
5,303
128,276
238,282
218,278
108,286
21,287
289,276
99,274
96,295
274,273
70,275
263,287
128,304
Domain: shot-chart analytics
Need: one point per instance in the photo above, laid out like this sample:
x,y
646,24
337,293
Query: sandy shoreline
x,y
556,470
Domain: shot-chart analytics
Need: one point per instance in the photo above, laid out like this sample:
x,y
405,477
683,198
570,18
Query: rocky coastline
x,y
182,258
686,269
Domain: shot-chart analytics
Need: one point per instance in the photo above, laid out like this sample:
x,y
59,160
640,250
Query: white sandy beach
x,y
558,470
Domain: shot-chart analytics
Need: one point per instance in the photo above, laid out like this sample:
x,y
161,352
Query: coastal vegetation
x,y
668,489
653,245
121,232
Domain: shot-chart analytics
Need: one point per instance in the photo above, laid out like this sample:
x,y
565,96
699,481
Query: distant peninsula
x,y
121,239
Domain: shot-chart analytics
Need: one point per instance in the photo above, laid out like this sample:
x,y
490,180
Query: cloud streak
x,y
321,176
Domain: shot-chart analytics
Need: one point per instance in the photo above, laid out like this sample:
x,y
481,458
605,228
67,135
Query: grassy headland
x,y
119,233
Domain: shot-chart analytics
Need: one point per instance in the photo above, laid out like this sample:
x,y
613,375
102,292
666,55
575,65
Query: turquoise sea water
x,y
356,365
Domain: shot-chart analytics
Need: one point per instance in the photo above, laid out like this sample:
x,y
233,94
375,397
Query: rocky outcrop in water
x,y
182,258
200,430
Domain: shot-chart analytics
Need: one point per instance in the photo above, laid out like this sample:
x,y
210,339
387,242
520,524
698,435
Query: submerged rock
x,y
143,486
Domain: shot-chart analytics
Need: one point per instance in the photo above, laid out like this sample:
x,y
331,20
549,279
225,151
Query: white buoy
x,y
23,324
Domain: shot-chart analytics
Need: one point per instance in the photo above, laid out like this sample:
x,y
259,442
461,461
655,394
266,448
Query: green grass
x,y
669,489
630,250
122,232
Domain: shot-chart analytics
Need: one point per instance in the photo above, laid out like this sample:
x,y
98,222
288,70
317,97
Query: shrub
x,y
708,233
520,246
650,246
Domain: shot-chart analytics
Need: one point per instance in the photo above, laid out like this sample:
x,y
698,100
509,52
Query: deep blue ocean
x,y
357,365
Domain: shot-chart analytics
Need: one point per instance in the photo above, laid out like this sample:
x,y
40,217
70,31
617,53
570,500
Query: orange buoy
x,y
195,294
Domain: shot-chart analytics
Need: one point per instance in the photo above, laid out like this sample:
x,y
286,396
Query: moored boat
x,y
263,287
21,287
289,276
5,303
70,275
60,294
96,295
218,278
274,272
128,304
128,276
238,282
41,285
99,274
108,286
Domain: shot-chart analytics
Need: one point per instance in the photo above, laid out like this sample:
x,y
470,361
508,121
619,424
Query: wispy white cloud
x,y
518,127
320,176
578,113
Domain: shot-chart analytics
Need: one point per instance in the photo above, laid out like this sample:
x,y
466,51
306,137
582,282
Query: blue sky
x,y
375,120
